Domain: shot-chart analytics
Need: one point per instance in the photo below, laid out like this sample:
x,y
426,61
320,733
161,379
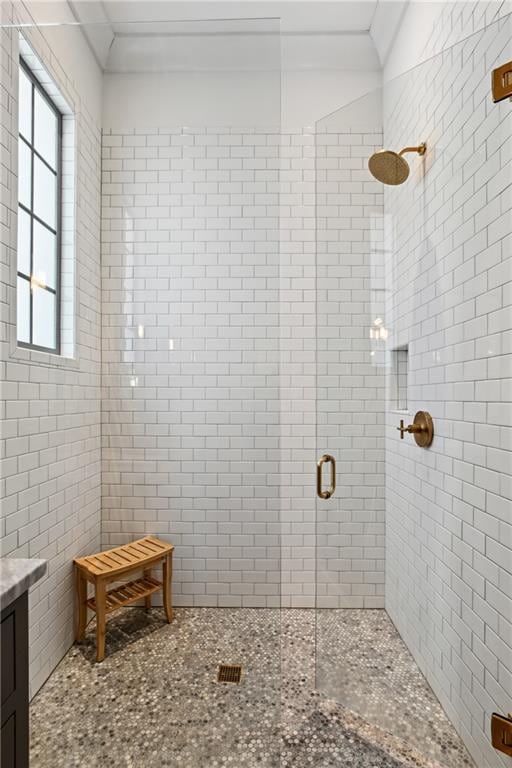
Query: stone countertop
x,y
16,576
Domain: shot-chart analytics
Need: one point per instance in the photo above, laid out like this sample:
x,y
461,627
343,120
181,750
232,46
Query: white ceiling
x,y
179,35
308,16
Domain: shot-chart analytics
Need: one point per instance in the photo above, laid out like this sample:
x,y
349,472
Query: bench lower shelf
x,y
127,593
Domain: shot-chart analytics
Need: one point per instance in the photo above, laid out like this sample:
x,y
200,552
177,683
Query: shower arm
x,y
421,149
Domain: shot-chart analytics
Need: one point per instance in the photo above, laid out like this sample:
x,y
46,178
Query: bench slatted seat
x,y
105,567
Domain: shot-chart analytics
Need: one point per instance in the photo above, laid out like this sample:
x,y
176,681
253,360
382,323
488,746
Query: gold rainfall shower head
x,y
390,167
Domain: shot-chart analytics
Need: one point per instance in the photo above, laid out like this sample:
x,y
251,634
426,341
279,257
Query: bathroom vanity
x,y
16,576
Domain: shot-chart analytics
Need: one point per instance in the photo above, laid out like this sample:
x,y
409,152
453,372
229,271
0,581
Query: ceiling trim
x,y
386,22
101,33
270,33
93,17
318,16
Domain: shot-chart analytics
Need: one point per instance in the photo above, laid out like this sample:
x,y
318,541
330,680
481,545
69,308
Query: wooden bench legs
x,y
167,579
101,618
99,604
81,612
81,606
147,599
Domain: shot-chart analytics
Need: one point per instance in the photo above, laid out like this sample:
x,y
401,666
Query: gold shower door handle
x,y
325,459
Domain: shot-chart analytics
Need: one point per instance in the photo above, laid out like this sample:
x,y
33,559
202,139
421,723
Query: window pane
x,y
45,190
25,107
45,130
23,242
43,323
24,173
45,255
23,310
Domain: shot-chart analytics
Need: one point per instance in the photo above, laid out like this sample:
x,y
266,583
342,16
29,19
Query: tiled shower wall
x,y
191,356
297,306
332,385
449,567
51,411
209,361
350,370
459,19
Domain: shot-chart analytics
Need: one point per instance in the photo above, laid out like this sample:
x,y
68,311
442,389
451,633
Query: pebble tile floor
x,y
155,701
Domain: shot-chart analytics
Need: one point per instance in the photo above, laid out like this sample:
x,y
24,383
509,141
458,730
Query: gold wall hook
x,y
422,428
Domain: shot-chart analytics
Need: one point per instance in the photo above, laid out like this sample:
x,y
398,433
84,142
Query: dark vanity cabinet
x,y
14,684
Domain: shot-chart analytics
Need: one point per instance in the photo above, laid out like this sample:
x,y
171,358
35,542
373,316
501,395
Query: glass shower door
x,y
350,393
400,329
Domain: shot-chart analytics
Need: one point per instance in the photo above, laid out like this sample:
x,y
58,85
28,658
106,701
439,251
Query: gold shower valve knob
x,y
422,428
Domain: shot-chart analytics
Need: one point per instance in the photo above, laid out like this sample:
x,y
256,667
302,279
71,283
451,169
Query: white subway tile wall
x,y
350,371
298,368
51,487
191,408
460,19
209,361
448,513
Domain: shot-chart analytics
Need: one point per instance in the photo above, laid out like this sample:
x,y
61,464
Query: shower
x,y
391,167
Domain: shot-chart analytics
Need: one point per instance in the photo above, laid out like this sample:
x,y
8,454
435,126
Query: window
x,y
39,185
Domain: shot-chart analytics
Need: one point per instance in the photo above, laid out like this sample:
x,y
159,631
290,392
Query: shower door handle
x,y
325,459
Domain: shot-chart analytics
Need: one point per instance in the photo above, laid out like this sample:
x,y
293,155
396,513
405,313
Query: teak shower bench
x,y
105,567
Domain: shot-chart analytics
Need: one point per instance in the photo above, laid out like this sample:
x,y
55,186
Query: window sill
x,y
36,357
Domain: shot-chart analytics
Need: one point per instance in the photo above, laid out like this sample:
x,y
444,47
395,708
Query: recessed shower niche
x,y
399,378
